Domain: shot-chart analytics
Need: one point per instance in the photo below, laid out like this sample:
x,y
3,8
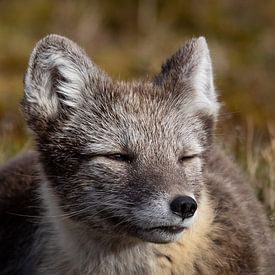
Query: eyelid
x,y
116,156
119,157
186,157
190,155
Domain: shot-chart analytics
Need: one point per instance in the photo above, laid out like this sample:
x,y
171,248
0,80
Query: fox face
x,y
122,158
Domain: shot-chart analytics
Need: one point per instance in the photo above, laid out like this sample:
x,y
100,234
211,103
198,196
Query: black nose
x,y
183,206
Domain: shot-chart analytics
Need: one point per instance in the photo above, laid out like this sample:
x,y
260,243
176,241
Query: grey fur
x,y
100,208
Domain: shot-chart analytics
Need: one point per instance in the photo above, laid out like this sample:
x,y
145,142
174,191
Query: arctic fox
x,y
124,177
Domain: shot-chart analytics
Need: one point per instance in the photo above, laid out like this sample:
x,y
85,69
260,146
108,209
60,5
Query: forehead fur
x,y
129,116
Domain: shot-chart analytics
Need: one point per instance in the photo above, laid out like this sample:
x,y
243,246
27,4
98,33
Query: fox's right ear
x,y
57,74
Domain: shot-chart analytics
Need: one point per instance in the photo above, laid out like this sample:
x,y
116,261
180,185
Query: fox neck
x,y
72,249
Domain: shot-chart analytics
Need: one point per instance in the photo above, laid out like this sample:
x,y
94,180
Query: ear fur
x,y
189,73
58,72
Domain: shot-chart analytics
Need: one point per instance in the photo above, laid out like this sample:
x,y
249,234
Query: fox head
x,y
122,158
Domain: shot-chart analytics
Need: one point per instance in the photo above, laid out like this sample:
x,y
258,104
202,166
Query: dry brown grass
x,y
260,165
268,159
254,151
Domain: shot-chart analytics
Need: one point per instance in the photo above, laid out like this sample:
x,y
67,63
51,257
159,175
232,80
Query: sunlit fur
x,y
99,214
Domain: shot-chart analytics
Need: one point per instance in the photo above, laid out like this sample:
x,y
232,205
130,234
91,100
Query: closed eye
x,y
119,157
187,157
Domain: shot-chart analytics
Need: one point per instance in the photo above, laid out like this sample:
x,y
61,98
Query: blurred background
x,y
131,39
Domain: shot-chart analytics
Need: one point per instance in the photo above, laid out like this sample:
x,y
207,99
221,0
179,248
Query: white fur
x,y
205,98
53,55
71,73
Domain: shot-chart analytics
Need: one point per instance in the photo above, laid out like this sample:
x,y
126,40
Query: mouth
x,y
155,234
166,229
160,234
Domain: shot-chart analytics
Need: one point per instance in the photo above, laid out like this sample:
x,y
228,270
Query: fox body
x,y
124,178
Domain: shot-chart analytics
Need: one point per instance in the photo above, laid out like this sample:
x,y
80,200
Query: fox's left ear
x,y
189,74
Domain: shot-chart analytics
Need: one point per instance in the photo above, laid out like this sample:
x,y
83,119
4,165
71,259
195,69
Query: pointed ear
x,y
189,73
57,74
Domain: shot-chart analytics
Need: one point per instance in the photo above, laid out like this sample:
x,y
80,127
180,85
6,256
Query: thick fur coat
x,y
110,157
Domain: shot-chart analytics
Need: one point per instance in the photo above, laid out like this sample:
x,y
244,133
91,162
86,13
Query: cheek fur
x,y
194,176
193,168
